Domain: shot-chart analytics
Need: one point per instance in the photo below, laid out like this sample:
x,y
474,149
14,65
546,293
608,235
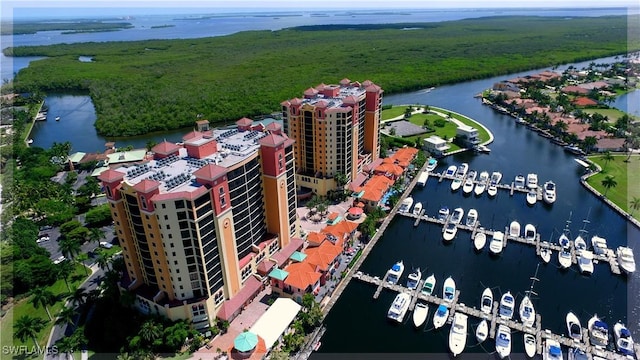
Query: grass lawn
x,y
626,174
395,111
482,133
24,307
612,114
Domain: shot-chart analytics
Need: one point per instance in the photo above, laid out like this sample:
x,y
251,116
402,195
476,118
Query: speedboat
x,y
527,311
497,242
450,232
492,190
532,181
625,259
468,186
462,170
579,243
545,254
529,345
530,232
624,341
599,245
519,182
482,331
456,184
458,333
480,240
414,279
417,208
429,285
486,301
406,204
549,192
432,164
440,317
514,229
585,262
496,176
482,183
451,170
532,197
449,289
503,341
399,307
552,350
458,214
472,217
564,258
393,275
574,329
443,213
598,331
507,304
472,174
420,314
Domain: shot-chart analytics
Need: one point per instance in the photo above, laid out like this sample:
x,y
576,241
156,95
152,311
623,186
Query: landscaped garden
x,y
625,175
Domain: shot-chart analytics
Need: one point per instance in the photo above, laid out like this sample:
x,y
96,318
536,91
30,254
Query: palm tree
x,y
103,260
634,204
589,142
43,296
81,258
69,248
606,157
28,327
67,345
65,269
67,316
96,234
150,331
78,296
608,182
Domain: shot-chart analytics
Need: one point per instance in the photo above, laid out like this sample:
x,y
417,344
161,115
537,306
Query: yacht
x,y
440,317
482,331
552,350
432,164
532,181
507,304
462,170
417,208
458,333
393,275
467,188
472,217
574,329
624,341
472,174
599,245
420,314
532,197
585,262
482,183
564,257
492,190
429,285
503,341
529,345
458,214
406,204
480,240
545,254
486,301
451,170
625,259
563,240
527,311
449,289
514,229
443,213
399,307
519,182
549,192
456,184
530,232
414,279
579,243
598,331
497,242
496,176
450,232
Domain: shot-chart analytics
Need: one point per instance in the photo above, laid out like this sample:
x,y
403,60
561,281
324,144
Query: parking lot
x,y
89,247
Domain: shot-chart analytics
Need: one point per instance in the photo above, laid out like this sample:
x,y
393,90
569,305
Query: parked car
x,y
106,245
59,260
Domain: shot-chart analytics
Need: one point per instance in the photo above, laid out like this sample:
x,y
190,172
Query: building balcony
x,y
200,318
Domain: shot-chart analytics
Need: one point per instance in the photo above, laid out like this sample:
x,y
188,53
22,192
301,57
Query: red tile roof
x,y
574,89
273,126
357,182
322,256
345,81
146,185
610,144
301,275
111,175
281,256
245,260
210,172
311,92
341,231
584,101
272,140
232,306
376,187
265,266
244,122
315,238
193,135
188,195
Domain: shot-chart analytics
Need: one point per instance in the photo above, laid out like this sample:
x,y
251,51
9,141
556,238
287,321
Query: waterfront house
x,y
467,136
436,145
610,144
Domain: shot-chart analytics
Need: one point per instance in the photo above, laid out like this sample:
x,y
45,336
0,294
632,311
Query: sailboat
x,y
527,311
458,333
482,331
503,341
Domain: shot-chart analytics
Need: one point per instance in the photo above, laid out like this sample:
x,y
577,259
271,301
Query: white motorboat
x,y
486,301
458,333
432,164
422,178
472,217
545,254
467,188
527,311
420,314
449,289
549,192
585,262
472,174
461,171
458,214
414,279
492,190
529,345
507,304
563,240
624,341
552,350
480,240
456,184
443,213
514,229
399,307
450,232
519,182
564,258
482,331
532,197
482,183
574,329
626,259
440,317
598,331
503,341
393,275
497,242
429,285
532,181
406,204
530,232
579,243
599,245
417,208
451,170
496,176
